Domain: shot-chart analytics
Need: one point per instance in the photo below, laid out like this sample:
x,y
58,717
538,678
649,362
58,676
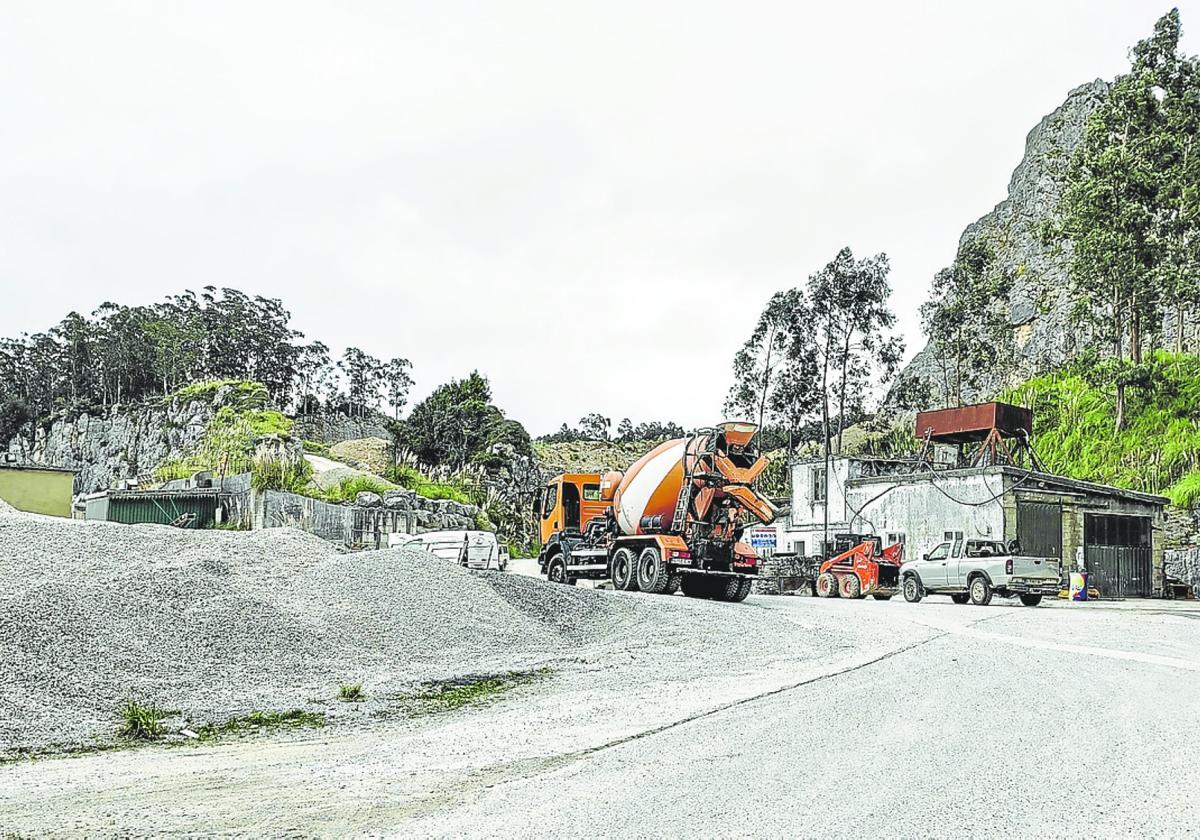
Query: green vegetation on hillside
x,y
1157,451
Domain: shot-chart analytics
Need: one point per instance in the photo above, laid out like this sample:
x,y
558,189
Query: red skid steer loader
x,y
866,569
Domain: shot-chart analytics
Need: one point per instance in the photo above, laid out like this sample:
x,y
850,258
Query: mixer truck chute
x,y
673,520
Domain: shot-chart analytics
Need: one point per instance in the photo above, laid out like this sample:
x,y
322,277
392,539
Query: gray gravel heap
x,y
217,624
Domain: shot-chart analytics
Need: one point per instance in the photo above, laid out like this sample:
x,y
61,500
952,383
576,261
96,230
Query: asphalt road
x,y
938,720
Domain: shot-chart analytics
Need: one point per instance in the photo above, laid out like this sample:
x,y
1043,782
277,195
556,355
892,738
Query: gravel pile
x,y
217,624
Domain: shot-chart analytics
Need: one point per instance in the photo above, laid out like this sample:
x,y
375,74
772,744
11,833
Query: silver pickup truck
x,y
974,570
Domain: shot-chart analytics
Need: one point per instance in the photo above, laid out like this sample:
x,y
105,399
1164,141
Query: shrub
x,y
351,692
348,488
289,475
141,723
1185,493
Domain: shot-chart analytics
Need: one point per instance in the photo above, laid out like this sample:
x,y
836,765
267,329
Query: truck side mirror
x,y
924,556
537,506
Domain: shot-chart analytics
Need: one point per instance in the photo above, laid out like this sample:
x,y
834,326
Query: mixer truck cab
x,y
673,520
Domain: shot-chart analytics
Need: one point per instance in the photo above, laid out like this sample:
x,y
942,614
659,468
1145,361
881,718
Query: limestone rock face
x,y
1038,306
126,443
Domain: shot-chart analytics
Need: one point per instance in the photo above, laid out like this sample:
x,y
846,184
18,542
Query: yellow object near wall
x,y
37,489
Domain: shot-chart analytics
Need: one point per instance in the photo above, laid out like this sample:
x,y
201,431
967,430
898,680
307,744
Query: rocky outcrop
x,y
335,428
1039,306
126,443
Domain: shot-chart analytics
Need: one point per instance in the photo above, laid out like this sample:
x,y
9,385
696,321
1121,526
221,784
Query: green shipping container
x,y
189,508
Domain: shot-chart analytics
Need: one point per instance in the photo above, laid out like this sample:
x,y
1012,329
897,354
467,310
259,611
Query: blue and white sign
x,y
763,538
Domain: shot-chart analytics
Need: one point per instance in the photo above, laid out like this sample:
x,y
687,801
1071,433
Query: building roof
x,y
37,468
194,493
1034,481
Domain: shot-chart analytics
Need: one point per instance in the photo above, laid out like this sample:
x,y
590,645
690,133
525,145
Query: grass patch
x,y
446,696
346,489
141,723
312,447
260,721
411,478
351,693
243,393
1185,493
1158,451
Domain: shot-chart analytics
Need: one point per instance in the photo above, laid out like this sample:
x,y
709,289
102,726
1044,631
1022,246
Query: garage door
x,y
1039,529
1116,553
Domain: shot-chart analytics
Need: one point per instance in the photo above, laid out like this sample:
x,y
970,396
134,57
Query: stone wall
x,y
1184,565
785,574
277,509
1182,528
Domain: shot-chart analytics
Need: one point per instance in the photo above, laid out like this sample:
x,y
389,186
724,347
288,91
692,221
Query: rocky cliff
x,y
125,443
1039,308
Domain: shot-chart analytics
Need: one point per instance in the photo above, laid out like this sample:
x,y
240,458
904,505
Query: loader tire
x,y
850,586
879,597
1031,600
827,586
652,574
624,570
673,584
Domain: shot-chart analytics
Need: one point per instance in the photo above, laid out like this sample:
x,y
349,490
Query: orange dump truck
x,y
673,520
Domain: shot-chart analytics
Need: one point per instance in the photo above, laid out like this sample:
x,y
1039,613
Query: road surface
x,y
940,721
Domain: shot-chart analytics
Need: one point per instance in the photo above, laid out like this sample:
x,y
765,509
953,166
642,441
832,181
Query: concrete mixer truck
x,y
673,520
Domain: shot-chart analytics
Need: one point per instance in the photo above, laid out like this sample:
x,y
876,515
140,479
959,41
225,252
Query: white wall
x,y
922,513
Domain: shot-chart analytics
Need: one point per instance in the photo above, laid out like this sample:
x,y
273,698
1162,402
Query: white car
x,y
470,549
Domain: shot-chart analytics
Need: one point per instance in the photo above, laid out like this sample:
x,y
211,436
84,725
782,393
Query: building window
x,y
955,537
818,488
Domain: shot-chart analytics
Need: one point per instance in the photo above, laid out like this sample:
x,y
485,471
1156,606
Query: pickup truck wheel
x,y
827,586
1031,600
652,573
624,570
556,572
912,589
980,591
850,587
959,597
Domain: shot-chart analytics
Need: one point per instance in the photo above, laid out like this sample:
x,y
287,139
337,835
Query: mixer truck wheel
x,y
696,586
624,570
673,584
738,589
652,575
827,586
556,572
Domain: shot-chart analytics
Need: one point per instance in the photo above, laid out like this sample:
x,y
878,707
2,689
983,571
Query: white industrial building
x,y
1115,533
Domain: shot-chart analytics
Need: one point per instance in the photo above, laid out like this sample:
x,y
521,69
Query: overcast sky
x,y
588,202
